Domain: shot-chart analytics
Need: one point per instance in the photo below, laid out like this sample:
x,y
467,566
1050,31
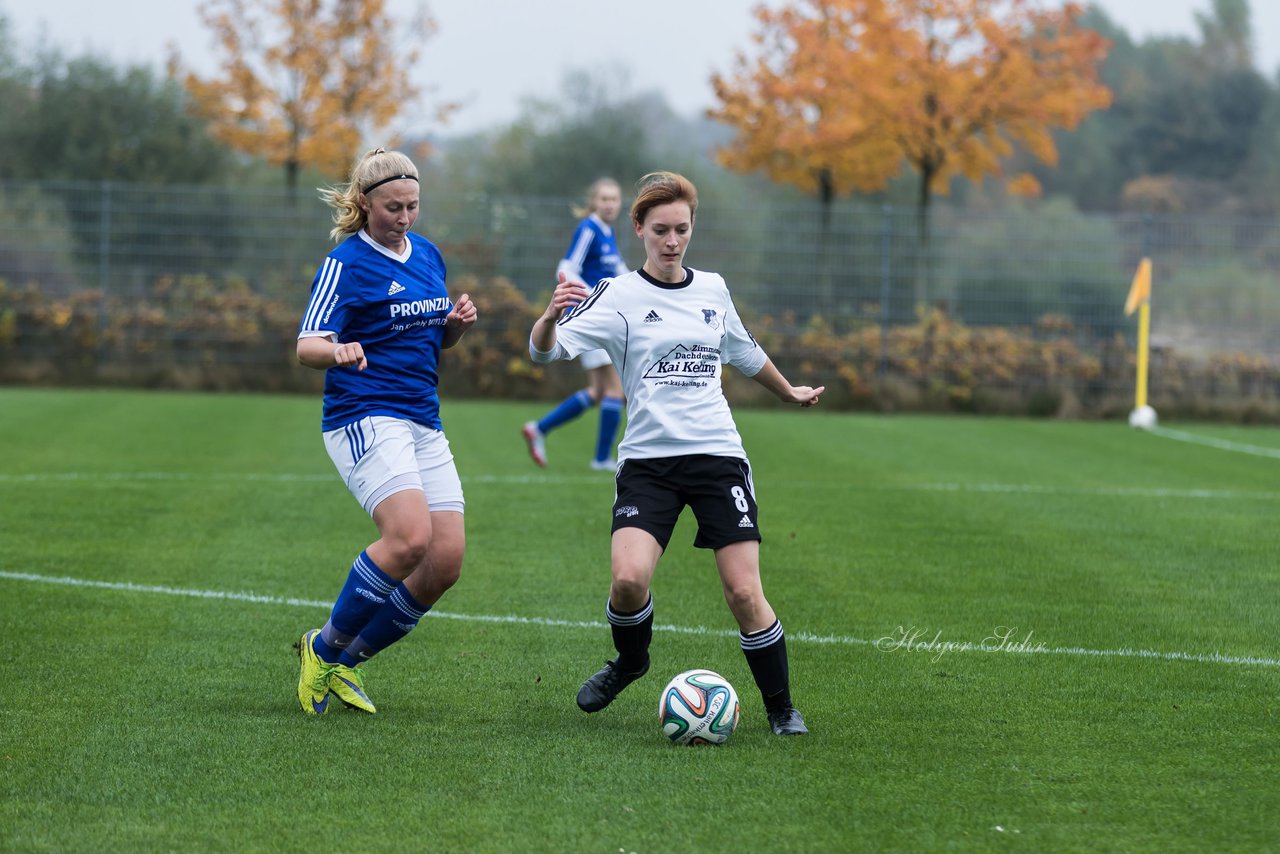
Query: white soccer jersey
x,y
668,342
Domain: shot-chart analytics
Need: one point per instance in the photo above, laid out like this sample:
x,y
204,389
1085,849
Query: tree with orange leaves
x,y
305,83
841,93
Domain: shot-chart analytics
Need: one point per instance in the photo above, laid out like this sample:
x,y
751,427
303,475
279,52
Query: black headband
x,y
377,184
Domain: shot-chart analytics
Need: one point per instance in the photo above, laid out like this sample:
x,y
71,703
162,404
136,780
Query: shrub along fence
x,y
1003,312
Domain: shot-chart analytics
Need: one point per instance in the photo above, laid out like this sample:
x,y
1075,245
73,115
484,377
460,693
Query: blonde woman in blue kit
x,y
377,321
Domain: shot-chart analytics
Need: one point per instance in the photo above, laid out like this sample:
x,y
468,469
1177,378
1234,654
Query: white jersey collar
x,y
604,226
408,247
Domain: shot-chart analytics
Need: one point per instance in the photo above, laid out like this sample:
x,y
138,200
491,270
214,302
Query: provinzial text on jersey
x,y
420,306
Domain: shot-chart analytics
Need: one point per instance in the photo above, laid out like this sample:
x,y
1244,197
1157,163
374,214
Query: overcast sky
x,y
490,54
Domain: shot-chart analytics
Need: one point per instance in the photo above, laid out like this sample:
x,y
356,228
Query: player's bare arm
x,y
771,378
315,351
567,294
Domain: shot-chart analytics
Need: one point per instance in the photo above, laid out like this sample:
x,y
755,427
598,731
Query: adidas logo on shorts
x,y
652,317
745,523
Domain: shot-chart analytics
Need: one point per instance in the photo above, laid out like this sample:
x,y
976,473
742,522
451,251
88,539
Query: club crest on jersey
x,y
395,288
709,315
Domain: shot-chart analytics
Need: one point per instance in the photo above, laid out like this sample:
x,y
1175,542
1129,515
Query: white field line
x,y
158,476
1221,444
901,640
90,478
1117,491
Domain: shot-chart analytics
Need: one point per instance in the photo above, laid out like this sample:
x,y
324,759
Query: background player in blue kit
x,y
593,255
378,317
670,328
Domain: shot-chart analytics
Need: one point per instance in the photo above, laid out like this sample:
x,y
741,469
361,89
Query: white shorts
x,y
379,456
592,359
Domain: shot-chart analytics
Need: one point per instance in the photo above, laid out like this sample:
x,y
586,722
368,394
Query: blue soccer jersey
x,y
393,305
593,253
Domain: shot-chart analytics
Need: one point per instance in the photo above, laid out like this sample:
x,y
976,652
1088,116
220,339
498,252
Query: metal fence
x,y
1044,265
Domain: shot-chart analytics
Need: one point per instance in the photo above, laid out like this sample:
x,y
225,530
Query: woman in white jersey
x,y
592,255
668,329
378,317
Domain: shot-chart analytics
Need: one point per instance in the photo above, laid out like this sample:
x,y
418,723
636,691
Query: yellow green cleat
x,y
347,684
313,676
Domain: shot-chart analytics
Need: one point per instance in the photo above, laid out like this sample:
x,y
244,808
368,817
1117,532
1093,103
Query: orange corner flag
x,y
1140,290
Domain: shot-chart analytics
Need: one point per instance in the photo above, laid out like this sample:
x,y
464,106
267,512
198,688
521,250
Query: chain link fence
x,y
197,286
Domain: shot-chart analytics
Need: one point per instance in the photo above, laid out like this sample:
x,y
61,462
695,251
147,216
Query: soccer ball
x,y
1144,418
698,707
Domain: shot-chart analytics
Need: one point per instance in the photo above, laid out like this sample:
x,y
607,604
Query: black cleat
x,y
787,721
601,689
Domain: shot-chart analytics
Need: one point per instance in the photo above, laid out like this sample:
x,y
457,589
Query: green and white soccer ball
x,y
698,707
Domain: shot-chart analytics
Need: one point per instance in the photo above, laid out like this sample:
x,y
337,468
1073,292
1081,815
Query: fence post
x,y
886,272
104,259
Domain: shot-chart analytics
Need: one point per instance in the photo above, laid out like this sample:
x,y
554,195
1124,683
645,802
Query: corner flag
x,y
1140,290
1140,298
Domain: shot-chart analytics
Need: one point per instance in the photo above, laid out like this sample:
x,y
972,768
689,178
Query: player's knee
x,y
446,577
446,566
437,571
409,547
629,589
744,598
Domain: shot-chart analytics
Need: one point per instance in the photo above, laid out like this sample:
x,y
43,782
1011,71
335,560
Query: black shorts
x,y
653,492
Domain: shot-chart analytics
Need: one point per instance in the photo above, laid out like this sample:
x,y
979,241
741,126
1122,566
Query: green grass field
x,y
159,553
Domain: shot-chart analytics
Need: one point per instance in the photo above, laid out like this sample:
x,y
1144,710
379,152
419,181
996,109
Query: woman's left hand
x,y
806,396
463,315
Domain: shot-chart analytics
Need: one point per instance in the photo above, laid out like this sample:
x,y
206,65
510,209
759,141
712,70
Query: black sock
x,y
766,652
632,632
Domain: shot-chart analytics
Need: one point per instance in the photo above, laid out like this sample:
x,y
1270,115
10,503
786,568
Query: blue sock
x,y
395,619
366,590
610,418
570,408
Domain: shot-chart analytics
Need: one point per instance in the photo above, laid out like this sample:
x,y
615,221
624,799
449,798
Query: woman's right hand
x,y
350,355
321,352
567,294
